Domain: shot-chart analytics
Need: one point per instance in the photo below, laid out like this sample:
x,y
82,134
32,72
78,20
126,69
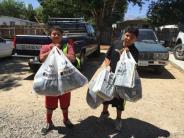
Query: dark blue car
x,y
151,53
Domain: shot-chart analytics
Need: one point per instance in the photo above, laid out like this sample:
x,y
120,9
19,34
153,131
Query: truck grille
x,y
146,56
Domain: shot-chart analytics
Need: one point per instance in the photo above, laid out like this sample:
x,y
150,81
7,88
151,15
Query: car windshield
x,y
146,36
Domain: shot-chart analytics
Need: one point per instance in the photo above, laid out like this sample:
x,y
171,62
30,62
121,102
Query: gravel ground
x,y
160,113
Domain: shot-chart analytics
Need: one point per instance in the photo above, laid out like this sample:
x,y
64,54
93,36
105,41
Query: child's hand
x,y
53,45
126,49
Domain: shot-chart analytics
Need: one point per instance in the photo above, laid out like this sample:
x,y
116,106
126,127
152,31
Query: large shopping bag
x,y
57,75
125,70
92,99
130,94
104,85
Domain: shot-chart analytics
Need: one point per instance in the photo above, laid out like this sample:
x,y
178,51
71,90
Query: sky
x,y
135,11
132,12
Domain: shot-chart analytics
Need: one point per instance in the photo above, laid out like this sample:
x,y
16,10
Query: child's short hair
x,y
56,28
132,30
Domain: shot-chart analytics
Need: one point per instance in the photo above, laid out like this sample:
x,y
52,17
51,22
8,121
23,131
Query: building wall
x,y
9,27
11,21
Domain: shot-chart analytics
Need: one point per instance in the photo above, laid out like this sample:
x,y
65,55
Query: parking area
x,y
158,114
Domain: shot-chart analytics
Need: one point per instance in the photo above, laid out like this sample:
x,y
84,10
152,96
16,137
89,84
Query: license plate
x,y
28,47
142,63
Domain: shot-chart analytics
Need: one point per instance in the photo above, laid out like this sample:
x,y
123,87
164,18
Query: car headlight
x,y
161,56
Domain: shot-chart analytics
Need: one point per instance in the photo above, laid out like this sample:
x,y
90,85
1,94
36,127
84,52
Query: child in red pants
x,y
51,102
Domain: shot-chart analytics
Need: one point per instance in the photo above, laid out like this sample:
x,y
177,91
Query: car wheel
x,y
179,52
82,60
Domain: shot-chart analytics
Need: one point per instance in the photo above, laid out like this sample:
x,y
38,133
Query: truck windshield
x,y
146,36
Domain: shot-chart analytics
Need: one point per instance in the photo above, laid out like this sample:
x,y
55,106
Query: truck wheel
x,y
97,52
82,60
179,52
33,66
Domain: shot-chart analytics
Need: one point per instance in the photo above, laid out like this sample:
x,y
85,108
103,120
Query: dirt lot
x,y
160,113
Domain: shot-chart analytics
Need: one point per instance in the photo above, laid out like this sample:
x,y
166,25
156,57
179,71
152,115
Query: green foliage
x,y
165,12
17,9
30,13
39,14
103,13
12,8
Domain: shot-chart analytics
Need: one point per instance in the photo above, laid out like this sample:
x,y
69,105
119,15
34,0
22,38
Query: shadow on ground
x,y
151,74
91,127
10,72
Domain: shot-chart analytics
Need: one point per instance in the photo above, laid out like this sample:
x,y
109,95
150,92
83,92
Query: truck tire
x,y
34,65
179,52
82,60
97,52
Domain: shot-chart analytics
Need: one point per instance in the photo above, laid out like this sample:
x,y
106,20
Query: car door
x,y
2,47
5,48
92,44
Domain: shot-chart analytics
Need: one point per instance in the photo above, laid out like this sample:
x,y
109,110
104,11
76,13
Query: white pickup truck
x,y
6,48
179,48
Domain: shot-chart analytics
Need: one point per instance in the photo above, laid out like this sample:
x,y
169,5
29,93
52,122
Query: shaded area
x,y
151,74
30,77
8,82
92,64
92,127
13,65
11,69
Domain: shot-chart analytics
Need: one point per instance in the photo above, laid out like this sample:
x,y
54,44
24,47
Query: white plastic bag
x,y
92,99
104,85
130,94
57,75
125,70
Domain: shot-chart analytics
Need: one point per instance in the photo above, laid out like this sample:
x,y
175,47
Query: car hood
x,y
150,47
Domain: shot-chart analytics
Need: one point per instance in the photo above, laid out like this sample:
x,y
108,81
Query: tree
x,y
39,14
17,9
103,12
12,8
165,12
30,13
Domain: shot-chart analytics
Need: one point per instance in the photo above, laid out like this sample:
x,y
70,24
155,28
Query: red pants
x,y
51,102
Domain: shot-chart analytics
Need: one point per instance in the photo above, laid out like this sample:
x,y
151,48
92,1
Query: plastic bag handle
x,y
58,50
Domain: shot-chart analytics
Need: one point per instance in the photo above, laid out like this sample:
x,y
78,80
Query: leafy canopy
x,y
165,12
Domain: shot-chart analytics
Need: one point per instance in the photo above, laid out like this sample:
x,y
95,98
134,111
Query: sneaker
x,y
104,115
68,123
118,124
49,127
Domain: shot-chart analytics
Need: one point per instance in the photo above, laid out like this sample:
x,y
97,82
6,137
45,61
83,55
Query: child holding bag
x,y
112,57
51,102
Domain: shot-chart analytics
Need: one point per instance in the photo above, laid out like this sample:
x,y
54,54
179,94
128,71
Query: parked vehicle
x,y
6,48
151,53
168,34
81,33
179,47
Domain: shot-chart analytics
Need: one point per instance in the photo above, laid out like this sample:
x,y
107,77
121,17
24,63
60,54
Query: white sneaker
x,y
118,124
